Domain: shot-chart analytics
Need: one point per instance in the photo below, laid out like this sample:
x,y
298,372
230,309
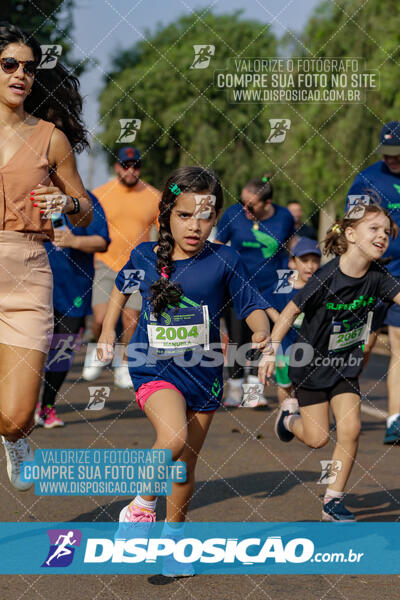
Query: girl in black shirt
x,y
338,303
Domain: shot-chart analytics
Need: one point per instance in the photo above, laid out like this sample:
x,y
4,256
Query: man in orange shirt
x,y
131,209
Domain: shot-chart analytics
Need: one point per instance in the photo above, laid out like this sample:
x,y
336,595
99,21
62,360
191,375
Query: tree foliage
x,y
331,143
185,119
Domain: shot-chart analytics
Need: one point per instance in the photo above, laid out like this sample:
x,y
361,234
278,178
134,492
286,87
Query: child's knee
x,y
314,440
349,430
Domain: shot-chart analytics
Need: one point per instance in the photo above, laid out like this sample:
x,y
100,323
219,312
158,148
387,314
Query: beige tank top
x,y
28,167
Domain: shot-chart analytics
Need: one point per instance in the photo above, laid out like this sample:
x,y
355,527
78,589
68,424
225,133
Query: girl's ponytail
x,y
261,187
336,242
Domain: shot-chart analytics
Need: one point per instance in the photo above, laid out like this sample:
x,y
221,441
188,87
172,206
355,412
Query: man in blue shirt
x,y
381,181
71,261
259,231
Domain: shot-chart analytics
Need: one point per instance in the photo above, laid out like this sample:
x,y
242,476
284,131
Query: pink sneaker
x,y
51,420
136,514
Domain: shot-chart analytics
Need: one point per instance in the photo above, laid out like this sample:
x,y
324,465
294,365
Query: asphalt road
x,y
244,474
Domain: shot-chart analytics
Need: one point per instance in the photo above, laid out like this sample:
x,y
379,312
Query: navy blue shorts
x,y
379,317
393,316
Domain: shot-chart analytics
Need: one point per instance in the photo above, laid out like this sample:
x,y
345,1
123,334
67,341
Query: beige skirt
x,y
26,291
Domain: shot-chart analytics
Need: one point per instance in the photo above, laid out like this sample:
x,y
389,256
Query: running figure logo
x,y
62,547
329,471
202,56
50,56
61,353
251,394
279,129
129,129
286,279
204,205
356,206
133,277
98,396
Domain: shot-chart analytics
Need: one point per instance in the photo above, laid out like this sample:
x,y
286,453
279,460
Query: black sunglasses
x,y
127,165
10,65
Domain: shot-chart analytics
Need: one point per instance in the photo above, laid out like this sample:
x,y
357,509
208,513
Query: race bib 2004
x,y
178,331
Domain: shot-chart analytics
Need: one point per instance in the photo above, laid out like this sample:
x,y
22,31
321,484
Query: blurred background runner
x,y
131,208
71,258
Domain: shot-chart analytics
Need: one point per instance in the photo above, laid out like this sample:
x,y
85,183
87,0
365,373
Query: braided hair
x,y
336,242
164,292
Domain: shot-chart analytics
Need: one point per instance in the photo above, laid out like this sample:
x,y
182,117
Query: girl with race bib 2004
x,y
338,304
185,282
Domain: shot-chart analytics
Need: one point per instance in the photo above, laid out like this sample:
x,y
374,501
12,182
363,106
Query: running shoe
x,y
393,433
16,452
290,406
122,379
262,400
131,514
40,415
235,393
335,510
51,420
93,366
173,568
135,514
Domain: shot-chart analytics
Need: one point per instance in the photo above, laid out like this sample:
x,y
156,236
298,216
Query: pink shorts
x,y
147,389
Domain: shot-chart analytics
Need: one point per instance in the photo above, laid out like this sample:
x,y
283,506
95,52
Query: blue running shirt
x,y
73,270
181,336
387,184
279,302
260,244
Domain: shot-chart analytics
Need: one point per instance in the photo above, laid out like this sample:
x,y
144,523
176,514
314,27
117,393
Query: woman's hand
x,y
65,238
50,199
105,345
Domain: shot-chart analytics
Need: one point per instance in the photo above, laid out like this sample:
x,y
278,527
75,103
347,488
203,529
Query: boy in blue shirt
x,y
304,261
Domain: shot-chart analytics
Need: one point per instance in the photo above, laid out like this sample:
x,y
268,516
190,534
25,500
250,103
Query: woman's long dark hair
x,y
55,93
188,179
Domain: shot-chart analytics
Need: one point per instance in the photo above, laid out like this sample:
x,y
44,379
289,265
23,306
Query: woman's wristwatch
x,y
77,207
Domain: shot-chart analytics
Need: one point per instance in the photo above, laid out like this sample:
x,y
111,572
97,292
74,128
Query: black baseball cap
x,y
390,139
129,154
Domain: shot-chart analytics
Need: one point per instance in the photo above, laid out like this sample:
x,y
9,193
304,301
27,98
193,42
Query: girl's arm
x,y
397,299
259,324
281,328
273,314
284,323
105,345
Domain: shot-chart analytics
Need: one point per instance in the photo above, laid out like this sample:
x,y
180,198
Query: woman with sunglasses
x,y
40,127
258,230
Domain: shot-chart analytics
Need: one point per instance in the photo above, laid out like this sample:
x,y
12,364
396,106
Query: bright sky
x,y
104,26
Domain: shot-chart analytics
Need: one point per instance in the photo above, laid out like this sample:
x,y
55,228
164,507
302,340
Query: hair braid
x,y
164,292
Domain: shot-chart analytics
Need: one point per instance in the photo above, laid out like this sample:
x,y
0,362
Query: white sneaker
x,y
262,400
93,366
16,452
122,379
235,393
